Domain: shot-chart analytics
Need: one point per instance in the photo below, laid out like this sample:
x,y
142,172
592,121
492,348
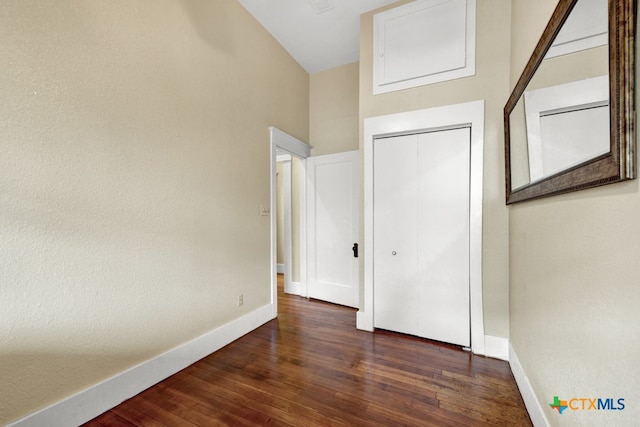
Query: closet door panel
x,y
443,235
421,235
395,242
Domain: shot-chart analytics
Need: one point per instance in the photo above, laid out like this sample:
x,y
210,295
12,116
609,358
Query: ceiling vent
x,y
321,6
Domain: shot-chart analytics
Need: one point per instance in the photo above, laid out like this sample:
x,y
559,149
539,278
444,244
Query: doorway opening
x,y
288,149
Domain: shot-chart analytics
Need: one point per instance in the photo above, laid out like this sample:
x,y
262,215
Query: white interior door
x,y
332,214
421,235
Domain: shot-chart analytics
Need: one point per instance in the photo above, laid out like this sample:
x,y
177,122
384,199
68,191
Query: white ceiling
x,y
317,40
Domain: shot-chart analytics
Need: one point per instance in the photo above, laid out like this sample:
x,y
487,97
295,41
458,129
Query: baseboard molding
x,y
101,397
534,408
280,268
496,347
295,288
364,322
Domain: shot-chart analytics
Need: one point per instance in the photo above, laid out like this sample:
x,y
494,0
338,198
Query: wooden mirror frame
x,y
620,163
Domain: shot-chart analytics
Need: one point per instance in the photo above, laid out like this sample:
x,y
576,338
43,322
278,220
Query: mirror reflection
x,y
562,119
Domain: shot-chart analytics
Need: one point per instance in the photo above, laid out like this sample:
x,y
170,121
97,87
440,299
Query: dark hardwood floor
x,y
311,367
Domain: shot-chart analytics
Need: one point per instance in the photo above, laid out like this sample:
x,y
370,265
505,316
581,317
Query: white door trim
x,y
466,114
283,143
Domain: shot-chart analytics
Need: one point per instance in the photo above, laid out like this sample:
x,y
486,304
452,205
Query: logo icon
x,y
558,405
587,404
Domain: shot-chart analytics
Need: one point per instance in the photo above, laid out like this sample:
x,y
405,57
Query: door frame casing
x,y
437,118
281,142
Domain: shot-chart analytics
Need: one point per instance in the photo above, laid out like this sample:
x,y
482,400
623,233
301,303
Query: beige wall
x,y
490,83
333,110
135,156
574,270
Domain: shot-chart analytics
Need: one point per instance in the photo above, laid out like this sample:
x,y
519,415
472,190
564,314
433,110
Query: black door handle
x,y
355,250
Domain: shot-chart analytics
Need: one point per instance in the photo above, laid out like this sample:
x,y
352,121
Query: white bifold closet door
x,y
421,235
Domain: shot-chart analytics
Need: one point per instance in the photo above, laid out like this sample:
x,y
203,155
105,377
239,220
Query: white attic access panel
x,y
423,42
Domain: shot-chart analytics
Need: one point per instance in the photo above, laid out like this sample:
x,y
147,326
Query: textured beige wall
x,y
490,83
333,110
135,156
574,280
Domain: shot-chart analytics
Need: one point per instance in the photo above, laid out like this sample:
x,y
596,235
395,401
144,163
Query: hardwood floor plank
x,y
235,401
110,419
296,394
482,417
189,406
151,412
312,367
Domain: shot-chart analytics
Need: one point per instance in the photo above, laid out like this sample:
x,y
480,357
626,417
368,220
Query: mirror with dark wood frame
x,y
570,120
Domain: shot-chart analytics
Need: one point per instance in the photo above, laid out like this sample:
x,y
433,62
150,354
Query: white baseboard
x,y
364,322
534,408
101,397
280,268
295,288
496,347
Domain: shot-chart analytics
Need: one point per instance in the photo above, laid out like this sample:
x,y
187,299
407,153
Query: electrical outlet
x,y
240,300
264,210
